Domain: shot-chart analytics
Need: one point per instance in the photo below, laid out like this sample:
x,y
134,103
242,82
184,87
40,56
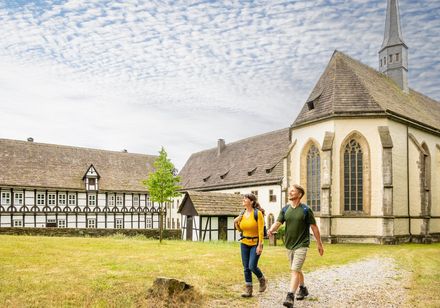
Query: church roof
x,y
212,204
349,88
39,165
252,161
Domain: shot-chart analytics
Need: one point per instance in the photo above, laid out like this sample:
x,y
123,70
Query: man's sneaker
x,y
290,299
303,292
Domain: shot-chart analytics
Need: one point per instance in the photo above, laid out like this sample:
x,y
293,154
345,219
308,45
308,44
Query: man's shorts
x,y
297,258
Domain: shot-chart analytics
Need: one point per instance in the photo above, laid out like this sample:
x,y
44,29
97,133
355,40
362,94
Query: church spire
x,y
393,55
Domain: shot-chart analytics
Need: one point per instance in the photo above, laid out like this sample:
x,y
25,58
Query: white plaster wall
x,y
357,226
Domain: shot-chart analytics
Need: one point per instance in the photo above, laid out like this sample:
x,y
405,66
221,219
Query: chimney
x,y
220,146
30,139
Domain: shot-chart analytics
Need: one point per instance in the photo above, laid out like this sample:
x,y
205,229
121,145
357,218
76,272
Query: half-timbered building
x,y
46,185
209,216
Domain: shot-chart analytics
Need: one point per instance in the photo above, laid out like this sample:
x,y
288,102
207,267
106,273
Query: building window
x,y
61,199
314,179
51,223
384,60
119,200
61,223
149,223
135,200
380,62
236,192
119,223
111,200
168,223
255,193
272,196
397,57
6,198
51,199
92,200
18,198
91,223
178,223
72,199
353,177
173,224
18,223
41,199
391,59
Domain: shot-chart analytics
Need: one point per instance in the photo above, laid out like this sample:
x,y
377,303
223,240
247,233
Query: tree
x,y
162,184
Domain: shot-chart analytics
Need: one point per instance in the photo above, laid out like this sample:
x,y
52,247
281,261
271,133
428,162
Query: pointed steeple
x,y
393,55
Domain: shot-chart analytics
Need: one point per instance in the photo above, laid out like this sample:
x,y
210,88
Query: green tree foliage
x,y
162,184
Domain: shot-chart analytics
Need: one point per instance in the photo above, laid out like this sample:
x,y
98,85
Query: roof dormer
x,y
91,179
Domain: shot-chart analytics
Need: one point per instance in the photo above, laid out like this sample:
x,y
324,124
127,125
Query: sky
x,y
139,75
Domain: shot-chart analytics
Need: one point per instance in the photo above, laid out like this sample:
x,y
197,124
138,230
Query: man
x,y
298,218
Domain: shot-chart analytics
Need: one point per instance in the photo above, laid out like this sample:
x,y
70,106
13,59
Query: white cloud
x,y
141,74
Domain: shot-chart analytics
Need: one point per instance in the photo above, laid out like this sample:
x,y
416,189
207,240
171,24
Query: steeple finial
x,y
393,55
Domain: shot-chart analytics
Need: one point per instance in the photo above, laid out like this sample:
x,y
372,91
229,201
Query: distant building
x,y
46,185
257,165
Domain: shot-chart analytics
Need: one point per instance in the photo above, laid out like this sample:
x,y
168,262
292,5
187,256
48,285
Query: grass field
x,y
117,271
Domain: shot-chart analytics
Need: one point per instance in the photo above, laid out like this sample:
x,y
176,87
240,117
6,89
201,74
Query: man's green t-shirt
x,y
297,233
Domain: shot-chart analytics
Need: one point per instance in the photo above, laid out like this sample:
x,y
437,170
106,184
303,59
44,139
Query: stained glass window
x,y
314,179
353,177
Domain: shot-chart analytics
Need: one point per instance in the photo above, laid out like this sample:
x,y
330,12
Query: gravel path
x,y
376,282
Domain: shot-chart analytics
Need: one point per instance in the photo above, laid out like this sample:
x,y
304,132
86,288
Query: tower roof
x,y
349,88
393,33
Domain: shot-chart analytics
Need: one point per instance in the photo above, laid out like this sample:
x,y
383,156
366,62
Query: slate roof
x,y
252,161
39,165
347,88
213,204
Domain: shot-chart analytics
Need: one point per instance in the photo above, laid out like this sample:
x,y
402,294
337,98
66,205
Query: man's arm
x,y
317,235
274,228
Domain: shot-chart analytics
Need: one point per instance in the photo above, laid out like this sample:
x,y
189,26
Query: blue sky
x,y
139,75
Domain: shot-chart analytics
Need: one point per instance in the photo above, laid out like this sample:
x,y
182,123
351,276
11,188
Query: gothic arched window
x,y
353,177
314,179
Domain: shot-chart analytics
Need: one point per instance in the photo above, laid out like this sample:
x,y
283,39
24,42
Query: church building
x,y
367,149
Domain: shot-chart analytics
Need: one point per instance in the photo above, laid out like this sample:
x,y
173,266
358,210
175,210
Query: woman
x,y
251,242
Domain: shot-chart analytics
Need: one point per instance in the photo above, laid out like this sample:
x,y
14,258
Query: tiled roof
x,y
255,160
30,164
347,87
214,204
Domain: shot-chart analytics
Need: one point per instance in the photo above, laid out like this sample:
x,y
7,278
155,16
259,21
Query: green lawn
x,y
117,271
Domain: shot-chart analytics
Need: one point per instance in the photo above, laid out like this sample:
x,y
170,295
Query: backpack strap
x,y
256,215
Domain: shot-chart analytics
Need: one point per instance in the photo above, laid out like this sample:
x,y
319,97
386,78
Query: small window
x,y
255,193
72,199
384,60
111,200
136,200
118,223
61,199
92,182
51,199
391,59
18,223
41,199
61,223
119,200
178,223
18,198
6,198
237,192
91,223
51,223
149,223
397,57
168,223
92,200
272,196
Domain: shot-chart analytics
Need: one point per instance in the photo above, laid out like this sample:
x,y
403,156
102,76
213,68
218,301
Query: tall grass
x,y
117,271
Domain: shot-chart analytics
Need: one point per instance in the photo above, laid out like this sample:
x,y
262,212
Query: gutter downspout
x,y
407,184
